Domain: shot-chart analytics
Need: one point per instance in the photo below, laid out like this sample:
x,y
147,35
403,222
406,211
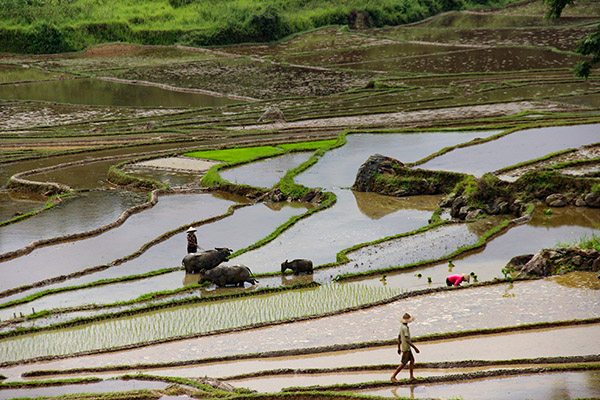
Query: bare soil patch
x,y
404,118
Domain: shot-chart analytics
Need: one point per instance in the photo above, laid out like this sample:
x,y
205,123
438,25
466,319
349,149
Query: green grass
x,y
237,155
49,26
585,242
308,145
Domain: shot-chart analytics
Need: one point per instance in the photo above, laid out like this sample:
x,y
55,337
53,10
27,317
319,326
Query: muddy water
x,y
369,53
9,73
12,204
321,237
514,148
265,173
7,170
78,213
552,386
544,231
169,213
82,177
449,311
338,168
489,386
103,93
496,59
576,341
165,254
112,385
590,100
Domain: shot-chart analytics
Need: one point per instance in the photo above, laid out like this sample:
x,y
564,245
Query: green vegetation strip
x,y
190,321
58,382
425,365
452,378
316,350
102,282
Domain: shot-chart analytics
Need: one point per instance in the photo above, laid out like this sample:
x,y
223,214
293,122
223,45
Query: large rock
x,y
592,199
375,164
272,114
556,200
498,206
557,261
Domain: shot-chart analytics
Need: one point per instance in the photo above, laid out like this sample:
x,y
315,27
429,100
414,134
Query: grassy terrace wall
x,y
40,26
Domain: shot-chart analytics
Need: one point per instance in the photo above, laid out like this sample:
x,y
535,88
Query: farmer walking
x,y
404,345
192,241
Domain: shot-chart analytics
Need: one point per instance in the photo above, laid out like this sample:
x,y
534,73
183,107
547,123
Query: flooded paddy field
x,y
119,300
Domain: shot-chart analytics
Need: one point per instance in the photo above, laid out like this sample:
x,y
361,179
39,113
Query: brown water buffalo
x,y
299,266
206,260
224,275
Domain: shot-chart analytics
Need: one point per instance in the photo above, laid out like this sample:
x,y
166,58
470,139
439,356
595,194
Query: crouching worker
x,y
456,280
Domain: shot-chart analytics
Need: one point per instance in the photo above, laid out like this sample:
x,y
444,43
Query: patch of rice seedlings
x,y
193,319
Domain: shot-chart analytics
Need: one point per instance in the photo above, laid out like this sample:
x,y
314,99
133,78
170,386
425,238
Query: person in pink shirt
x,y
457,279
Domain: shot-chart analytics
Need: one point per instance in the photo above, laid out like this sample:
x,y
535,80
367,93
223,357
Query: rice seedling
x,y
193,319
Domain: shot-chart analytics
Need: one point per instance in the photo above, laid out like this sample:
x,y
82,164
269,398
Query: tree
x,y
588,46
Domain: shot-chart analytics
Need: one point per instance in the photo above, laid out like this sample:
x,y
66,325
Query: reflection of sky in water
x,y
549,386
514,148
483,307
77,213
265,173
321,236
338,168
169,213
507,346
487,263
165,254
99,387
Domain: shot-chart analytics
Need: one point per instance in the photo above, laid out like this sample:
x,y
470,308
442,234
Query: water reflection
x,y
265,173
486,262
338,167
108,386
548,386
77,213
103,93
162,255
15,203
514,148
319,239
376,206
169,213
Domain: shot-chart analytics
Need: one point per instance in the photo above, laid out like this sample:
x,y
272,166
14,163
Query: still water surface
x,y
102,93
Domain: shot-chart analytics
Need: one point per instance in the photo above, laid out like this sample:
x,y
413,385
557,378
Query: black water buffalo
x,y
207,259
299,266
224,275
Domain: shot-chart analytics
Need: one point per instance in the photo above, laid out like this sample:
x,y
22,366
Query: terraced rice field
x,y
101,145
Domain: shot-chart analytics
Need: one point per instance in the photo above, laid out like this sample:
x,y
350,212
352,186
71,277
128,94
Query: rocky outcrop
x,y
376,164
592,199
556,261
272,114
275,195
388,176
557,200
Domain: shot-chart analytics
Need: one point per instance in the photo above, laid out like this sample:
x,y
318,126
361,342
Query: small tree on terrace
x,y
588,46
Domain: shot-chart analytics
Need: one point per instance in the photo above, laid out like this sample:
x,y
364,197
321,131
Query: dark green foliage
x,y
407,181
267,25
38,26
588,46
539,184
